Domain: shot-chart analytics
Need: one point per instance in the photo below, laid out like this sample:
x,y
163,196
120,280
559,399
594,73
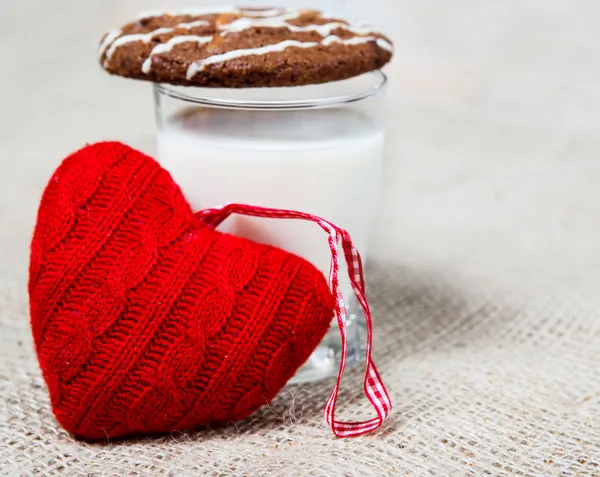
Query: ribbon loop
x,y
373,385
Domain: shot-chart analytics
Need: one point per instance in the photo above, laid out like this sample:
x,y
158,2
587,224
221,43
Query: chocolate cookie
x,y
238,48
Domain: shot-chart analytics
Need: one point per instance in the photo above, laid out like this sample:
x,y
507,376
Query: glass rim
x,y
177,92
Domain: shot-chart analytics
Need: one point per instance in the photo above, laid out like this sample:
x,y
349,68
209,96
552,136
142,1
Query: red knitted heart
x,y
144,319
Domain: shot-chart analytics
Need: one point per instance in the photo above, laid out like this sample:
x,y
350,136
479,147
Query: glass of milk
x,y
317,149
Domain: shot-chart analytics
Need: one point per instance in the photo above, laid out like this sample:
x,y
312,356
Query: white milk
x,y
325,162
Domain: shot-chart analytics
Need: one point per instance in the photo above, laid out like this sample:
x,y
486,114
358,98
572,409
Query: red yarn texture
x,y
147,321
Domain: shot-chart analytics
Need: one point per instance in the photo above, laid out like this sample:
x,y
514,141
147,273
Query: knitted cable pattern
x,y
147,321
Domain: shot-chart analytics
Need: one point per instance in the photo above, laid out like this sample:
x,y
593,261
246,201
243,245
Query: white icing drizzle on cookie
x,y
281,22
108,39
280,17
199,65
115,41
251,18
230,55
168,46
357,40
188,26
147,37
122,40
386,45
262,13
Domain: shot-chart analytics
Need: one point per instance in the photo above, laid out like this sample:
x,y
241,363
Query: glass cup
x,y
317,149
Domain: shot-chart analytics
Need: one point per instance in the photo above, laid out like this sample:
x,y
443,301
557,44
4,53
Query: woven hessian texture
x,y
484,268
145,320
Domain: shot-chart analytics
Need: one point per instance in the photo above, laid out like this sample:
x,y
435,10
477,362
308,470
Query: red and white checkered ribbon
x,y
373,385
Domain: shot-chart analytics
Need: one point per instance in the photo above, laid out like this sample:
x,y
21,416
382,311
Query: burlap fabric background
x,y
486,259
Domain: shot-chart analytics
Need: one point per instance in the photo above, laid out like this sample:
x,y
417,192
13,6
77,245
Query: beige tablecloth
x,y
486,258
